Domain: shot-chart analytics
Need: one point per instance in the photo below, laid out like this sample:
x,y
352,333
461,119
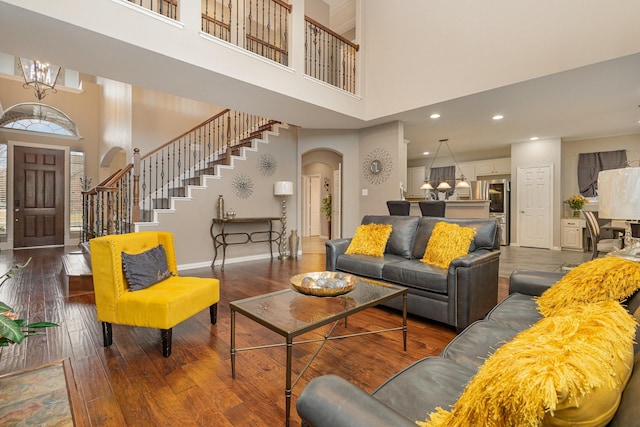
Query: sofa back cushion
x,y
486,236
402,233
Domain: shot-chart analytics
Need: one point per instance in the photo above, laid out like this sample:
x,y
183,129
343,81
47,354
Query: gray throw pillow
x,y
145,269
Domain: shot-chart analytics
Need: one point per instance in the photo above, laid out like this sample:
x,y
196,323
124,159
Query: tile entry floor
x,y
511,257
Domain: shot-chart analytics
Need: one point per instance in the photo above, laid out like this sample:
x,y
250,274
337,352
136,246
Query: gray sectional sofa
x,y
438,381
457,296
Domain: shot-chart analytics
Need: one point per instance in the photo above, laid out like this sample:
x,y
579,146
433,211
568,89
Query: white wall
x,y
538,153
455,48
390,138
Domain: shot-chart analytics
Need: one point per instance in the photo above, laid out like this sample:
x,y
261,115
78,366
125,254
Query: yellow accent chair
x,y
161,305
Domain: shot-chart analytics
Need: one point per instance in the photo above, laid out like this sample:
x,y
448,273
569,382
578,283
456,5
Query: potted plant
x,y
325,208
12,329
576,203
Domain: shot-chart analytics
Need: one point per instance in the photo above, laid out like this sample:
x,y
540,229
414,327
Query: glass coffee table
x,y
290,314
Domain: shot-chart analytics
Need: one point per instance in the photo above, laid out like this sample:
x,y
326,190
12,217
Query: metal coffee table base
x,y
289,384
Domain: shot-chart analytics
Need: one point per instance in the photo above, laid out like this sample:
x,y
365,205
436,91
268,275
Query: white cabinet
x,y
415,177
493,167
572,233
468,169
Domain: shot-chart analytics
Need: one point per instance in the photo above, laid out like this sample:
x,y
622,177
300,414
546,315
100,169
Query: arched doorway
x,y
321,173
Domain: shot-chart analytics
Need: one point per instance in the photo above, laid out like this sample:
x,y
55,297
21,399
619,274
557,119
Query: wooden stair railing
x,y
131,194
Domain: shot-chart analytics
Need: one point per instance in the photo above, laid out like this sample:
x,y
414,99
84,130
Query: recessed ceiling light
x,y
426,153
498,117
435,116
534,138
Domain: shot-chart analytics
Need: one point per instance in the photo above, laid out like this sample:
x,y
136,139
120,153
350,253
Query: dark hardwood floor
x,y
131,384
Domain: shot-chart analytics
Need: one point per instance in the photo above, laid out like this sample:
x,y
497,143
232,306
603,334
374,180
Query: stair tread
x,y
76,264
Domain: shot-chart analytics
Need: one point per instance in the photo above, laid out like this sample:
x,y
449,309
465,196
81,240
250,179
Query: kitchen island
x,y
458,209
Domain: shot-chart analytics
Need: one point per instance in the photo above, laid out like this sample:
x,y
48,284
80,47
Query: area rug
x,y
36,397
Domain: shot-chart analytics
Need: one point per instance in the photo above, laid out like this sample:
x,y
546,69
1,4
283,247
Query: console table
x,y
220,239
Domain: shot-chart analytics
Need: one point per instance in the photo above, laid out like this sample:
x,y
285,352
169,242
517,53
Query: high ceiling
x,y
594,101
590,102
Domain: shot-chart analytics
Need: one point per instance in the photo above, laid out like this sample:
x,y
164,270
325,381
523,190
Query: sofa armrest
x,y
472,283
332,401
530,282
334,248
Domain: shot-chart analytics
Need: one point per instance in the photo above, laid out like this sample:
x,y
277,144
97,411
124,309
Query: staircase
x,y
128,199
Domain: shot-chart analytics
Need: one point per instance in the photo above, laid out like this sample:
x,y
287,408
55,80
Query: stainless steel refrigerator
x,y
498,192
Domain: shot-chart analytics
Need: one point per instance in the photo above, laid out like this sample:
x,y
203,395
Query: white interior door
x,y
314,205
336,204
534,207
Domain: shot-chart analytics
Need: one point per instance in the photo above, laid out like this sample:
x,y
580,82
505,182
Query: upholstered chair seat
x,y
160,305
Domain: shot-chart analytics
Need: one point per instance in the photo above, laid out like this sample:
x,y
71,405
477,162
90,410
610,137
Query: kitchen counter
x,y
458,209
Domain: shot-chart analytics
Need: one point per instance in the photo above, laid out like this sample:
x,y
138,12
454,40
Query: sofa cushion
x,y
402,234
447,242
517,311
370,239
485,237
601,279
474,346
424,385
365,265
416,274
569,369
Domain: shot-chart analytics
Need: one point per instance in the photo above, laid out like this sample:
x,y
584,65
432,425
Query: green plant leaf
x,y
38,325
4,307
10,330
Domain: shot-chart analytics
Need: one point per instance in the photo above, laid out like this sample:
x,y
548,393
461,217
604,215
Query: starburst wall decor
x,y
377,166
242,186
267,164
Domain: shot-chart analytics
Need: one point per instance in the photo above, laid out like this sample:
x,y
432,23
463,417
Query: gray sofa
x,y
457,296
438,381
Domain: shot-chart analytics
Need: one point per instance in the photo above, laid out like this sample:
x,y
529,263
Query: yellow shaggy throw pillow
x,y
448,242
566,370
370,239
608,278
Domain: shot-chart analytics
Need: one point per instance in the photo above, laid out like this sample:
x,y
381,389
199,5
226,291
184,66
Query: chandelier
x,y
444,185
40,76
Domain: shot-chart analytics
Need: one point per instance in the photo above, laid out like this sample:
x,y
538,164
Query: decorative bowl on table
x,y
323,283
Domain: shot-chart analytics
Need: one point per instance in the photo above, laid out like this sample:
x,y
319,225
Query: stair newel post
x,y
136,185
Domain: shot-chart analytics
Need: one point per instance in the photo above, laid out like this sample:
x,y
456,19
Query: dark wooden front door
x,y
38,197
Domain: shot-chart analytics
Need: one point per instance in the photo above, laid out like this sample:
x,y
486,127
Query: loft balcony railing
x,y
262,27
329,57
168,8
131,194
259,26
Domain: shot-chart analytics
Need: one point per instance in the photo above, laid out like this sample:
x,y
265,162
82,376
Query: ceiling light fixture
x,y
435,116
444,185
40,76
498,117
533,138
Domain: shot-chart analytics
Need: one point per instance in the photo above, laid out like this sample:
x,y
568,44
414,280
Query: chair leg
x,y
107,334
213,312
166,341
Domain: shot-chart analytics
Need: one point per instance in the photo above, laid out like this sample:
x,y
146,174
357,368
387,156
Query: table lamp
x,y
619,198
283,189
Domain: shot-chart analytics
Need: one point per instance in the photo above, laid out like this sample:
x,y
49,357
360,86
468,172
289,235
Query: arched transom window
x,y
35,117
